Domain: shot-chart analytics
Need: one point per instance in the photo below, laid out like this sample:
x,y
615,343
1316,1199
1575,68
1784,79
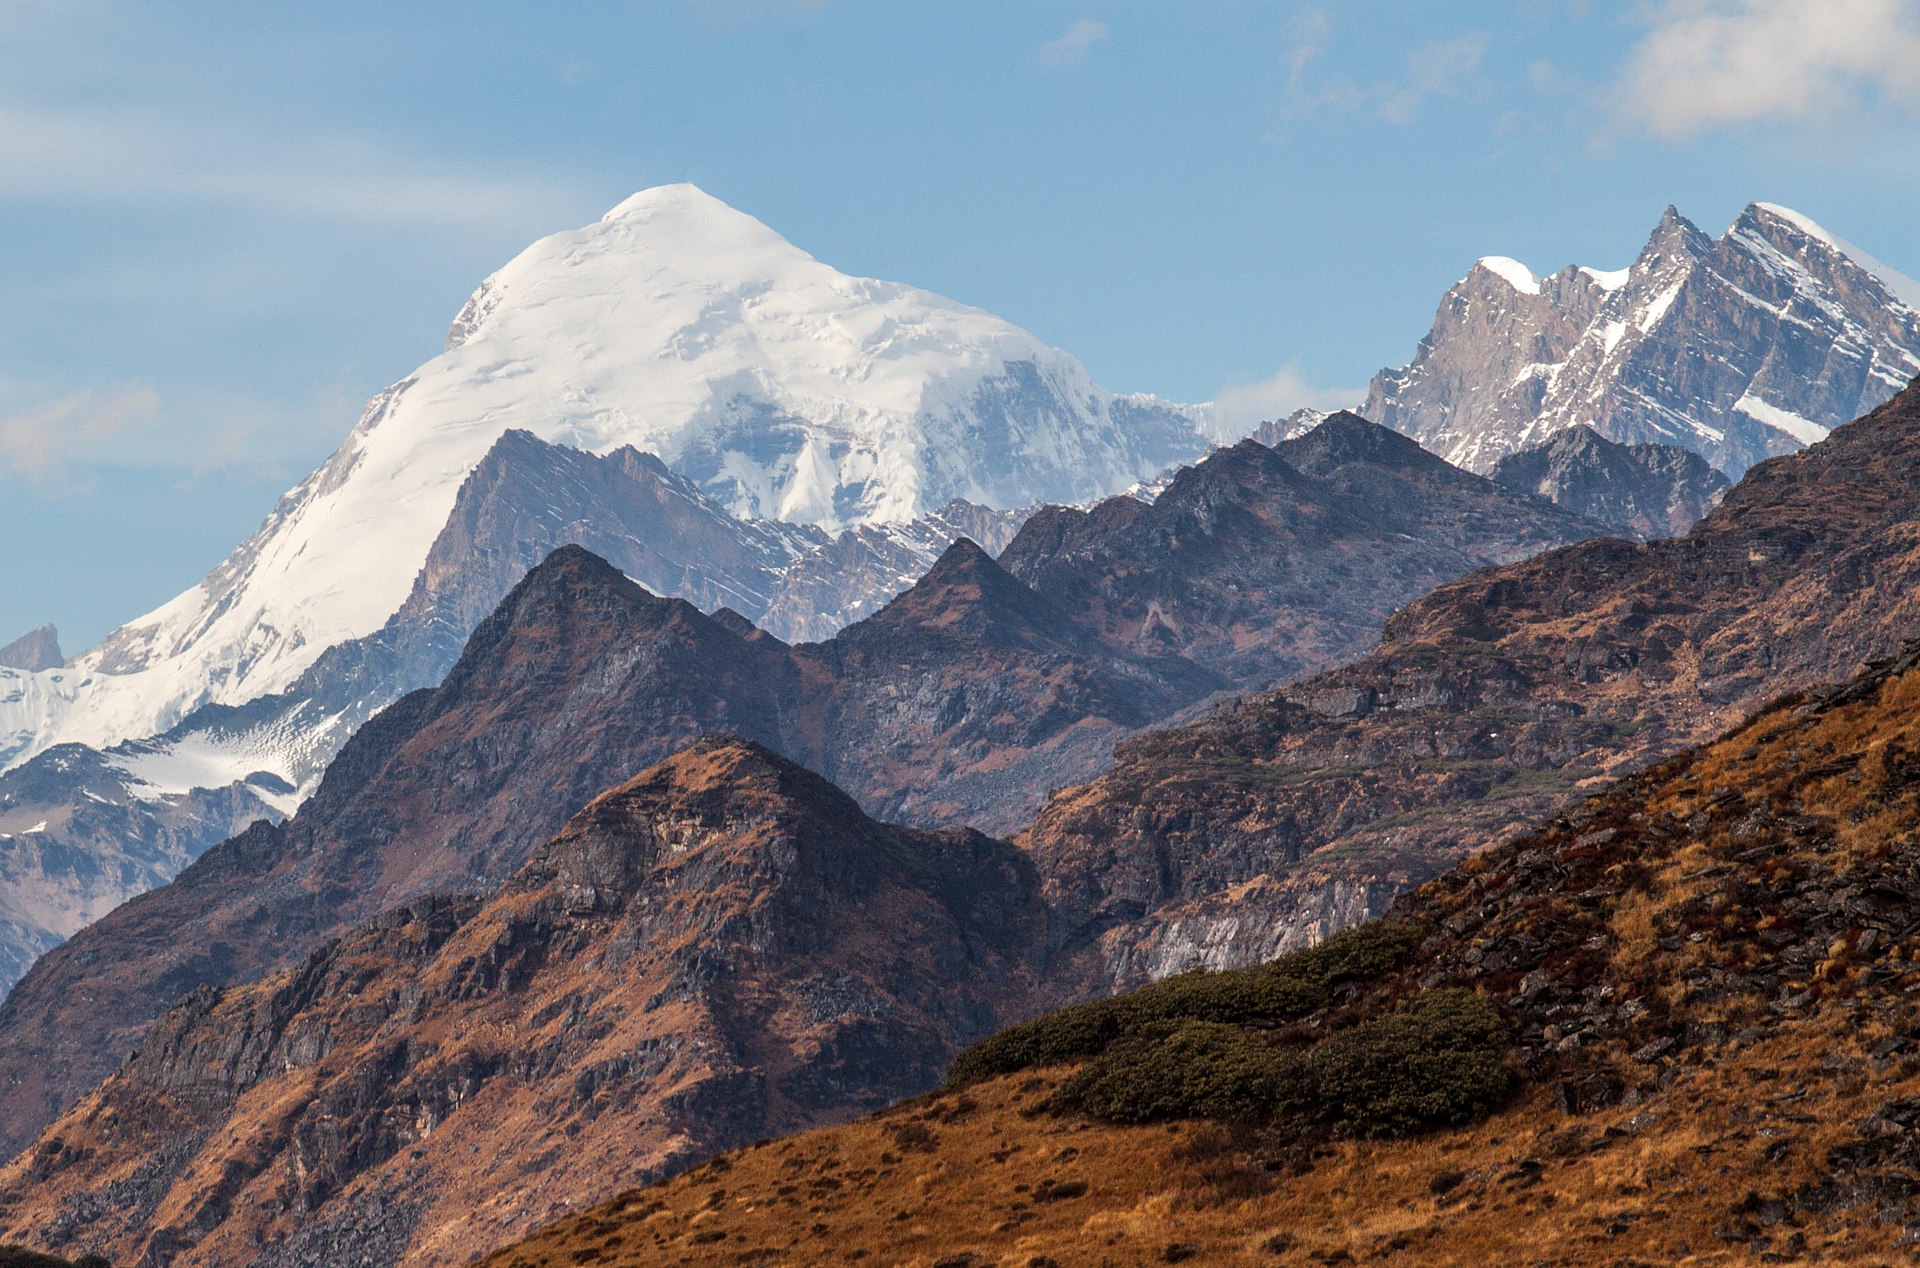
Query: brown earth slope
x,y
1287,814
1708,985
721,949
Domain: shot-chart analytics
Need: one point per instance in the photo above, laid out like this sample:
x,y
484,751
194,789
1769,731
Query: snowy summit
x,y
675,324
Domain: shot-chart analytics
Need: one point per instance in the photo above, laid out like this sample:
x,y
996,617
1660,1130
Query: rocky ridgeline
x,y
1286,814
964,701
1643,491
722,949
1739,348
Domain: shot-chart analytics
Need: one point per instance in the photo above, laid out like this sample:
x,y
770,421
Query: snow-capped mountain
x,y
1739,349
784,389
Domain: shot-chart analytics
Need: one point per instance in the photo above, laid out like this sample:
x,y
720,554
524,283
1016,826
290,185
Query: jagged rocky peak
x,y
33,651
1739,348
1643,491
722,789
721,948
1344,437
1291,427
967,594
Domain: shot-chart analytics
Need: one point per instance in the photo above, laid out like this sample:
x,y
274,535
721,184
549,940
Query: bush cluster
x,y
1283,989
1435,1063
1181,1048
1197,1069
21,1257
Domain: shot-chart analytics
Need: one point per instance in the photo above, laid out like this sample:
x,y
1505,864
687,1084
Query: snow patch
x,y
1608,279
1660,304
1512,272
1804,430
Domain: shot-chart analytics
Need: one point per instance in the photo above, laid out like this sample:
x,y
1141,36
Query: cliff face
x,y
721,949
35,650
1642,491
1287,814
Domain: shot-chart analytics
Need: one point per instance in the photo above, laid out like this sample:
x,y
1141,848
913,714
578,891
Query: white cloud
x,y
43,443
1711,63
1435,69
1246,406
1071,49
130,155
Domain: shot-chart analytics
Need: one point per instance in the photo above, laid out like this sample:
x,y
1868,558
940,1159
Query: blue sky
x,y
224,226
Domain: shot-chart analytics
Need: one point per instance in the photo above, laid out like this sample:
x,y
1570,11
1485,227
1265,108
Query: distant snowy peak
x,y
1739,348
783,389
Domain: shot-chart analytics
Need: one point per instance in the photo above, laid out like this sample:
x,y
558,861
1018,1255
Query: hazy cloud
x,y
44,443
1711,63
1438,68
1071,48
1432,69
131,155
1246,406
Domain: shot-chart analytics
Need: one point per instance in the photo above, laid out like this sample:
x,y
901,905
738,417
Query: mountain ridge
x,y
1740,348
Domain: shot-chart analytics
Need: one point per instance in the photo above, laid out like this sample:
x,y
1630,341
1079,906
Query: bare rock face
x,y
1285,815
34,651
1262,563
1642,491
721,949
1739,349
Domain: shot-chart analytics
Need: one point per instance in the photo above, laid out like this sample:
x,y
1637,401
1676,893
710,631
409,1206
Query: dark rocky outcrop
x,y
1641,491
33,651
1261,563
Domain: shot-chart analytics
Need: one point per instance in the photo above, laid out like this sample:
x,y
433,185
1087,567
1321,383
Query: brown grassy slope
x,y
721,949
1711,979
1287,814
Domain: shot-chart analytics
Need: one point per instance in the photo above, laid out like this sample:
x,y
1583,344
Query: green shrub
x,y
1237,995
1198,1069
1435,1063
21,1257
1281,990
1069,1034
1355,954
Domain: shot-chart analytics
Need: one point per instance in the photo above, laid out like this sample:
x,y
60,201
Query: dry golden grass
x,y
950,1176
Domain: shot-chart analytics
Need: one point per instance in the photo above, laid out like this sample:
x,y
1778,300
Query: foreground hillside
x,y
1677,1023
